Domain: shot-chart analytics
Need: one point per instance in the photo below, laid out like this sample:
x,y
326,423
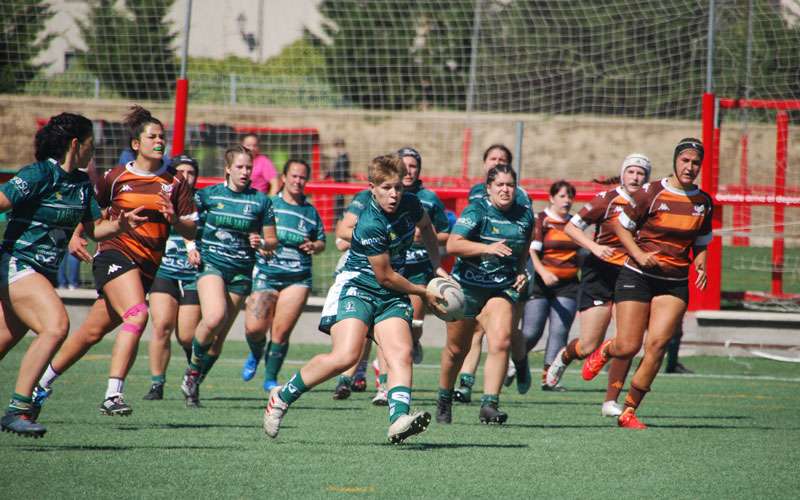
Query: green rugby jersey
x,y
378,232
483,222
226,220
418,254
294,225
478,191
359,202
47,204
175,263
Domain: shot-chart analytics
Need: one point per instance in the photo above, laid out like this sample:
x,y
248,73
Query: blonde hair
x,y
234,151
385,167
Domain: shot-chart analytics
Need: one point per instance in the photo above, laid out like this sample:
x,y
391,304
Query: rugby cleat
x,y
524,380
444,411
274,412
40,394
115,405
555,388
381,398
628,420
359,385
22,423
342,390
155,393
489,414
250,367
595,362
556,370
190,387
408,425
611,409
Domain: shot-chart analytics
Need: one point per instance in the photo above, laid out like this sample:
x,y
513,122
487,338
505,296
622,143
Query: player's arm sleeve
x,y
202,212
591,213
29,183
268,213
706,233
320,235
439,217
372,238
467,223
633,215
102,189
537,242
357,205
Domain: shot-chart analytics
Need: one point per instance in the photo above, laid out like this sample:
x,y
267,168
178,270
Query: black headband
x,y
688,144
407,151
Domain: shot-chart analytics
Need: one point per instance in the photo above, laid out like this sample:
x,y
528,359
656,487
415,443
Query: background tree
x,y
21,25
131,48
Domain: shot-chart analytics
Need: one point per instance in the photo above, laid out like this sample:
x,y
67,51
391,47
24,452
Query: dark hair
x,y
688,143
52,140
248,134
616,180
299,161
558,185
502,148
500,168
185,159
413,153
136,120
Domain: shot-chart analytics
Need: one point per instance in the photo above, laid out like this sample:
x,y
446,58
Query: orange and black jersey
x,y
670,221
603,211
557,251
125,188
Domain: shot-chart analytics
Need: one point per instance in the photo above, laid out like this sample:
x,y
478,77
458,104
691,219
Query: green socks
x,y
256,347
293,389
399,402
20,403
466,380
344,379
158,379
445,394
208,363
199,354
383,378
274,358
490,399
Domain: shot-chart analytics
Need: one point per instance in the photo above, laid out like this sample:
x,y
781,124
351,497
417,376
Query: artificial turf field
x,y
730,431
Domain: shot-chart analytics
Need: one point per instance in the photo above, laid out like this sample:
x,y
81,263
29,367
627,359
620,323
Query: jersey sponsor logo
x,y
699,210
126,188
167,188
349,306
370,241
59,196
663,207
112,269
21,186
220,205
223,235
248,210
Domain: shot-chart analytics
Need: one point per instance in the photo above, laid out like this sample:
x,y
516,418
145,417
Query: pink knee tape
x,y
133,311
130,327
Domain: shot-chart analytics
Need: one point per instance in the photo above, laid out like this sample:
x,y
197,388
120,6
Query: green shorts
x,y
235,282
419,274
346,301
262,282
476,298
13,269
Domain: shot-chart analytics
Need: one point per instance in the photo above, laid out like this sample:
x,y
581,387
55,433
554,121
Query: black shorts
x,y
598,279
176,289
109,264
637,287
565,288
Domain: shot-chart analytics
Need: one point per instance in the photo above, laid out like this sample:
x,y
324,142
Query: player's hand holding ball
x,y
446,299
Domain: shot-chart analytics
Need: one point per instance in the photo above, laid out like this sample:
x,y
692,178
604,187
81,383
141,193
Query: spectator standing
x,y
265,177
339,172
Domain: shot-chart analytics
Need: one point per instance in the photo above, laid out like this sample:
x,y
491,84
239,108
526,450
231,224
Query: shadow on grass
x,y
171,426
454,446
695,417
90,448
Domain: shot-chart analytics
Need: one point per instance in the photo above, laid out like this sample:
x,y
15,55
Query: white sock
x,y
49,377
114,387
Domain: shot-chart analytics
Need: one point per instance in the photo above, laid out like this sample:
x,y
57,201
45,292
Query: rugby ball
x,y
453,298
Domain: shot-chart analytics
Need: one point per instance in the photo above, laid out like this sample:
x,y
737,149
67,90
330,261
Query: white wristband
x,y
191,245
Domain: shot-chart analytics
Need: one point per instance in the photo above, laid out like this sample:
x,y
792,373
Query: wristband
x,y
191,245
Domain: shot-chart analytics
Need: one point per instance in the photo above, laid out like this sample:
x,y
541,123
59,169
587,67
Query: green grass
x,y
729,432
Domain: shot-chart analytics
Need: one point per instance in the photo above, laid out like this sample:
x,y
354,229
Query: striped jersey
x,y
418,254
175,263
378,232
670,221
359,202
478,191
125,188
603,211
294,225
226,220
47,203
484,223
557,251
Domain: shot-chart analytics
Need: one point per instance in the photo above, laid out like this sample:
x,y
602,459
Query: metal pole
x,y
233,88
187,24
260,30
473,56
518,150
710,49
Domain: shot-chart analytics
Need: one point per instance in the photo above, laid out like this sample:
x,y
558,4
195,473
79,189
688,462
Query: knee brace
x,y
133,311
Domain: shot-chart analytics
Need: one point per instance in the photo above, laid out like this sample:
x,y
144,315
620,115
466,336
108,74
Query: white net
x,y
588,81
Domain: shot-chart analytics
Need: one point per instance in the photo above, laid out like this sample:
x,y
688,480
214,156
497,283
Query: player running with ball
x,y
371,292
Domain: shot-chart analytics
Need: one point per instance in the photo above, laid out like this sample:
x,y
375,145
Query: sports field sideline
x,y
730,431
